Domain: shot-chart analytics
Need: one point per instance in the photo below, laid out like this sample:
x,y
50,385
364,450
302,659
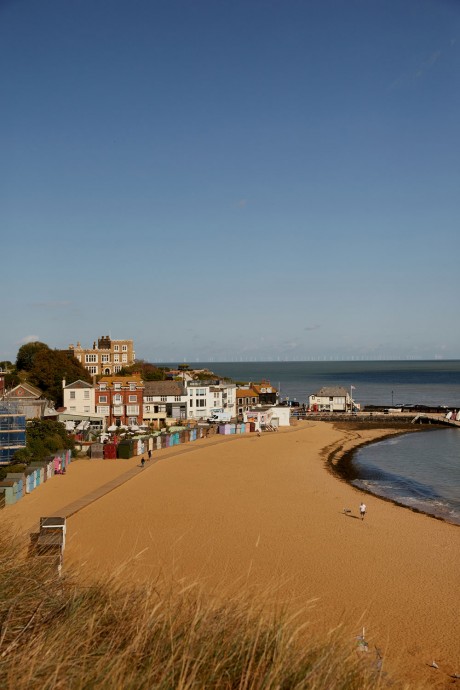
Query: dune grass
x,y
58,634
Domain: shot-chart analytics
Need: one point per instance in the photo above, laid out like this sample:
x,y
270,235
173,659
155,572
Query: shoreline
x,y
341,464
266,516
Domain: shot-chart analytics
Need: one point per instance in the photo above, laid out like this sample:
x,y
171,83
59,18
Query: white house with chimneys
x,y
330,399
79,397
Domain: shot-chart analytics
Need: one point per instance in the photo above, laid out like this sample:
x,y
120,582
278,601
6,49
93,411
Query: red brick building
x,y
120,399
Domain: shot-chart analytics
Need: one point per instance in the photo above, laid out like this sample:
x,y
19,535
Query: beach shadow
x,y
349,515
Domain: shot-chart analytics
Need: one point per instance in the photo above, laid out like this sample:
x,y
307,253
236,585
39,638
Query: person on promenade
x,y
149,454
362,510
142,462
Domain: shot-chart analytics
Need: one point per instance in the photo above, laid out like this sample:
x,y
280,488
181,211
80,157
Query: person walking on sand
x,y
142,462
362,510
149,454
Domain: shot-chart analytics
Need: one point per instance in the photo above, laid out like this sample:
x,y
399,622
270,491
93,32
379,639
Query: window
x,y
132,420
90,358
201,403
102,386
92,370
105,359
201,391
177,398
116,348
79,358
86,395
116,368
190,403
156,408
116,358
124,348
117,399
103,409
117,386
102,398
132,398
148,398
72,395
132,386
147,408
124,358
118,411
164,398
132,409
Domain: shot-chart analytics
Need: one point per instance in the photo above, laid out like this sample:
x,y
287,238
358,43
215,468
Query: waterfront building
x,y
165,403
205,398
120,400
330,399
246,398
106,357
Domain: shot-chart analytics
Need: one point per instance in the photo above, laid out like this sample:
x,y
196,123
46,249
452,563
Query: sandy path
x,y
264,512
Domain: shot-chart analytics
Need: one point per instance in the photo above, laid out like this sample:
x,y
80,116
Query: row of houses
x,y
128,400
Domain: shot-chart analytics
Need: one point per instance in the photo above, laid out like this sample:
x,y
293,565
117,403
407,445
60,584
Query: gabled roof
x,y
163,388
79,384
331,392
28,391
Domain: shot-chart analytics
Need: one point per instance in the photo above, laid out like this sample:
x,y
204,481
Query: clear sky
x,y
226,179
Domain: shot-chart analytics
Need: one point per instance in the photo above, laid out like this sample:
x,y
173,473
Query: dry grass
x,y
57,634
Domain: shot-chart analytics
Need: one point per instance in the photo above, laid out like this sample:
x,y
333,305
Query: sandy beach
x,y
264,513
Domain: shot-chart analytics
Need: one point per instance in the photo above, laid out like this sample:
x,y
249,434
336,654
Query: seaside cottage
x,y
330,399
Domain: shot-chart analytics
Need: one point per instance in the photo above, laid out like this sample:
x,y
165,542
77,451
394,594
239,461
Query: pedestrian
x,y
149,454
142,462
362,510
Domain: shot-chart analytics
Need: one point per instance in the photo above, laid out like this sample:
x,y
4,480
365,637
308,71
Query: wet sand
x,y
265,514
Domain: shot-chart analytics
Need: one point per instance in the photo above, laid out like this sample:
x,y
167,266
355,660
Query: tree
x,y
148,372
43,437
50,367
26,355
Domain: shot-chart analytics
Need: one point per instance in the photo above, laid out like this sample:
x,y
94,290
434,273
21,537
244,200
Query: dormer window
x,y
117,386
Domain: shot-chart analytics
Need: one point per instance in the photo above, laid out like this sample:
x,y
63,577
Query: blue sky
x,y
255,179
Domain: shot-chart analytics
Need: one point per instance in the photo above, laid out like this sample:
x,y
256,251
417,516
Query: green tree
x,y
50,367
148,372
43,437
26,355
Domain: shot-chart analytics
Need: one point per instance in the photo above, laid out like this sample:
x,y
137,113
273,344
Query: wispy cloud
x,y
312,328
417,72
28,339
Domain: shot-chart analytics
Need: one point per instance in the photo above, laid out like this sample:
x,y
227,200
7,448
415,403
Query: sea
x,y
421,471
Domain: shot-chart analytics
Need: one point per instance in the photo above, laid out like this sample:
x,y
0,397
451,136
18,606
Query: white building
x,y
79,398
330,399
165,402
264,416
205,398
80,407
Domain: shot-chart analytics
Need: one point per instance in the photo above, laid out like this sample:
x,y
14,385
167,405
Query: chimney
x,y
63,383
